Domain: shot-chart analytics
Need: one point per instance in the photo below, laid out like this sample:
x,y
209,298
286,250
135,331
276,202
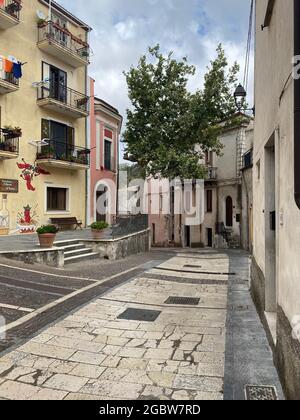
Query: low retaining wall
x,y
112,249
53,257
116,249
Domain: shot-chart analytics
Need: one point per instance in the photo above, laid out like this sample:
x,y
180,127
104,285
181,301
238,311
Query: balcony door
x,y
57,86
60,138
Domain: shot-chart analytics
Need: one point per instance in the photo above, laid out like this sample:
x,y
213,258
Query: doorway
x,y
229,212
153,234
101,206
209,237
187,235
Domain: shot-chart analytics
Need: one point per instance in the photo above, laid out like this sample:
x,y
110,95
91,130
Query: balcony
x,y
212,174
248,159
9,144
8,83
61,155
60,43
10,13
66,101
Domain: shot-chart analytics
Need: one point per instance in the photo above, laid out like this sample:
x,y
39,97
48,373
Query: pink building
x,y
105,126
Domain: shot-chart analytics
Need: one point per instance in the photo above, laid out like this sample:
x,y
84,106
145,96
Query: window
x,y
57,199
208,158
107,155
209,201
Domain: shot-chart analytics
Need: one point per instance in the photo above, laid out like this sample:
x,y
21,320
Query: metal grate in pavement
x,y
260,393
144,315
179,300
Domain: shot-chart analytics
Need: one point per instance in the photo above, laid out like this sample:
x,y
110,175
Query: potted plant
x,y
47,234
98,229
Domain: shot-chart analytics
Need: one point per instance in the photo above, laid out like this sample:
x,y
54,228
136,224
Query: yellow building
x,y
43,137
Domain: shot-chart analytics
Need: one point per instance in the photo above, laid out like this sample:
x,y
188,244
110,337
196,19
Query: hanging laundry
x,y
8,65
17,70
2,3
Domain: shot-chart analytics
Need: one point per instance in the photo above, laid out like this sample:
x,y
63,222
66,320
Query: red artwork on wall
x,y
29,172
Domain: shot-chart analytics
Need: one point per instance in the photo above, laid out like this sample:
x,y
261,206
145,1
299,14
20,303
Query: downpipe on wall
x,y
297,104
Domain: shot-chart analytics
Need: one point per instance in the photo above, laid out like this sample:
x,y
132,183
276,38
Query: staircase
x,y
233,241
75,251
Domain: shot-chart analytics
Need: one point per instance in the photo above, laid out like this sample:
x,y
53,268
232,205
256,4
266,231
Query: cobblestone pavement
x,y
99,351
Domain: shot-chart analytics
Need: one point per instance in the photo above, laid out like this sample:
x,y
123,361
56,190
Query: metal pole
x,y
50,10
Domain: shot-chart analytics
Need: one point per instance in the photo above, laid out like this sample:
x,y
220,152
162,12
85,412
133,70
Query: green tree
x,y
167,122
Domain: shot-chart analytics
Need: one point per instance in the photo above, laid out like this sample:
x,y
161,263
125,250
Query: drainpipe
x,y
297,104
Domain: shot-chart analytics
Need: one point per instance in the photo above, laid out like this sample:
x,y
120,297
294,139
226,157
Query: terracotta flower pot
x,y
47,240
98,234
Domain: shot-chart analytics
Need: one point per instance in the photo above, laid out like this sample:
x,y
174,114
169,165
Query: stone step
x,y
80,251
67,242
68,248
83,257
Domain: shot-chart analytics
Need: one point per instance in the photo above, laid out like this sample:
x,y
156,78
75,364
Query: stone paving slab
x,y
92,354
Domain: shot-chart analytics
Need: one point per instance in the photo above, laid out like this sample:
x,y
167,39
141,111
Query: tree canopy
x,y
169,128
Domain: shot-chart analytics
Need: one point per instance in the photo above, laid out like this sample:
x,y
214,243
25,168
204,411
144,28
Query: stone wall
x,y
115,249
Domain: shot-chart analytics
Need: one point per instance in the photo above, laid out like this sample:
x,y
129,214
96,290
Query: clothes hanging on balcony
x,y
10,65
17,70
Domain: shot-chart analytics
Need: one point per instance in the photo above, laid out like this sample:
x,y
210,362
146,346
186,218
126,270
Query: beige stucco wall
x,y
274,52
20,109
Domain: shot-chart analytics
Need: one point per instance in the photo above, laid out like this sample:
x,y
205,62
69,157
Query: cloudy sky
x,y
123,30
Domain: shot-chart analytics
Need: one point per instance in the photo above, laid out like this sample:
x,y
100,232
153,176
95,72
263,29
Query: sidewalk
x,y
138,342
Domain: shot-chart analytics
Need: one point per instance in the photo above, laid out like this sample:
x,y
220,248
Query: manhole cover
x,y
133,314
260,393
178,300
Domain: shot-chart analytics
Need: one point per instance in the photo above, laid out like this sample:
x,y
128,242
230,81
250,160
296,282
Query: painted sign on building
x,y
9,186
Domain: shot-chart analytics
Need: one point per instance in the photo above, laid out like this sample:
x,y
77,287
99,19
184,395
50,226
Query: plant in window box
x,y
99,229
47,234
12,132
14,8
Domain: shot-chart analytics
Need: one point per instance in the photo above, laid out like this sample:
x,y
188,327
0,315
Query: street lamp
x,y
240,97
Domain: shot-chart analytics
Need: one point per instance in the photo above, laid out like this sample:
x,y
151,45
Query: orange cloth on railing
x,y
8,66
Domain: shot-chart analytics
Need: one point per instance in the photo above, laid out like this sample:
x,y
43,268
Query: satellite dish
x,y
40,15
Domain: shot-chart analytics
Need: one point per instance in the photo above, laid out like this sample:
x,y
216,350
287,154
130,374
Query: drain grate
x,y
133,314
192,266
179,300
260,393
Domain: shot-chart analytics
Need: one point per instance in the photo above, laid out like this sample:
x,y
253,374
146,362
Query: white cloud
x,y
123,30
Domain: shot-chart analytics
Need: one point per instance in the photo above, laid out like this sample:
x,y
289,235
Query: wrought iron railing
x,y
9,77
63,94
248,159
63,37
61,151
212,173
8,141
12,7
127,225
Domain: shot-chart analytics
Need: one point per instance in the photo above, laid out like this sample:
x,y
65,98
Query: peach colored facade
x,y
105,125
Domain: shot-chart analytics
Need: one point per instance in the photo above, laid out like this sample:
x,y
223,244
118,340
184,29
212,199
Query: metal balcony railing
x,y
9,77
212,173
248,159
63,37
8,142
12,7
63,152
63,94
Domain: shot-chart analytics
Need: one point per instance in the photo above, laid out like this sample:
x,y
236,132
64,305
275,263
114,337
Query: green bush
x,y
47,229
99,225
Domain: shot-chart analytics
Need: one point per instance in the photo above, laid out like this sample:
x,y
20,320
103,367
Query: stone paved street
x,y
96,353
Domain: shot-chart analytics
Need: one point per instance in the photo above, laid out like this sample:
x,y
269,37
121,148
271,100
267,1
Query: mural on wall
x,y
29,172
27,220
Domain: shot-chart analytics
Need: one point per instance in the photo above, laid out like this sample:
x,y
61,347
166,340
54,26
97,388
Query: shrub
x,y
47,229
99,225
